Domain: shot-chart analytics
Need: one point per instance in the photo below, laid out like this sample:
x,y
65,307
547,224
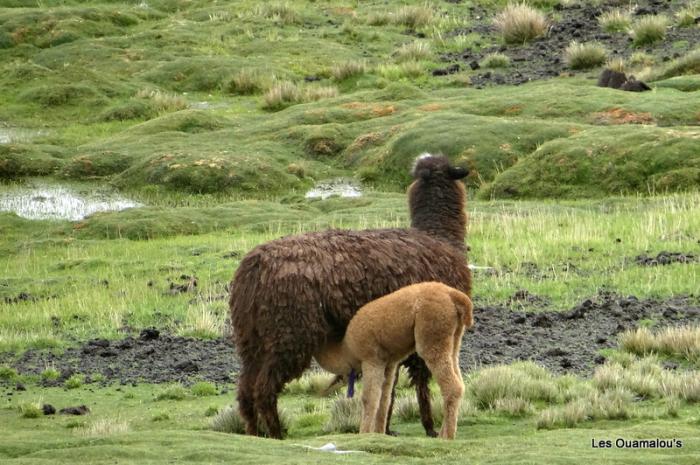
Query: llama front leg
x,y
385,401
373,378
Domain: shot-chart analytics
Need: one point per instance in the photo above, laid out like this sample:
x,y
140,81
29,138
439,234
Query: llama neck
x,y
335,358
440,213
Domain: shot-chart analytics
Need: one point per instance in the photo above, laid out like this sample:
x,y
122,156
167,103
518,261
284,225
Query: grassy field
x,y
219,116
259,100
93,277
151,424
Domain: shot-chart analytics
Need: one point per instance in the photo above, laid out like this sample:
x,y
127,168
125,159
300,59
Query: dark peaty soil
x,y
565,341
665,258
562,341
543,57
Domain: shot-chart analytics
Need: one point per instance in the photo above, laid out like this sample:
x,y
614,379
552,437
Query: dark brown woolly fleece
x,y
291,294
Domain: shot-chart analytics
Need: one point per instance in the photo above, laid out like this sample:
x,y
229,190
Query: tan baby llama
x,y
427,318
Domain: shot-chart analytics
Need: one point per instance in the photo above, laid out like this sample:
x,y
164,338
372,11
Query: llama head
x,y
433,167
436,199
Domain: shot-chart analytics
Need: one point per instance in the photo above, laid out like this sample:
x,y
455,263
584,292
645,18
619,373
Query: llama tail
x,y
464,307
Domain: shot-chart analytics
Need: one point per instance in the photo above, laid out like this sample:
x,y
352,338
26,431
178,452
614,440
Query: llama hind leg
x,y
420,376
381,419
246,398
372,380
275,372
441,363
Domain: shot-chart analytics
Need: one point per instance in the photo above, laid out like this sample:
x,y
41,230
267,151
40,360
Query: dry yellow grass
x,y
679,341
584,55
413,51
519,23
616,20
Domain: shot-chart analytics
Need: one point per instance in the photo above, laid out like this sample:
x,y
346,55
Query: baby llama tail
x,y
464,307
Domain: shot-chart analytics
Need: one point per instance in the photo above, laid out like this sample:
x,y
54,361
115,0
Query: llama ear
x,y
457,172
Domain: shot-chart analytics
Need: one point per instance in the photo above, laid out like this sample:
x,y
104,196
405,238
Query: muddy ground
x,y
563,341
543,57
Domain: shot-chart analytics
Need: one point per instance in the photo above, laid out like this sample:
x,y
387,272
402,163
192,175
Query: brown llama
x,y
426,318
291,296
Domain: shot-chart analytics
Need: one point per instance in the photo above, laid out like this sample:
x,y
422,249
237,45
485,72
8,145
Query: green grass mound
x,y
188,121
21,160
599,162
690,83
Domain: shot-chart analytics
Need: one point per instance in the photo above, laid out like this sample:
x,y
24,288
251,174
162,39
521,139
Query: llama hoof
x,y
431,433
391,433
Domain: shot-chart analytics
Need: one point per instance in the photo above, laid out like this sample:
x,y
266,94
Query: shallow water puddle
x,y
49,201
208,105
11,135
341,187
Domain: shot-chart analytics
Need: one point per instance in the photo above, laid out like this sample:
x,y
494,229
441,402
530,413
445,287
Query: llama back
x,y
319,280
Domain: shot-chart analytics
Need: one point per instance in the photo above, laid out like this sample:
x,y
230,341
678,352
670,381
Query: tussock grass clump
x,y
466,408
7,373
172,392
203,389
30,410
523,380
584,55
672,406
612,405
378,19
103,427
519,23
495,60
643,377
162,102
228,421
616,64
162,416
247,81
282,13
285,93
676,341
404,381
406,409
315,384
313,93
641,59
687,64
413,51
203,321
685,17
567,416
570,387
616,20
220,16
347,69
281,95
345,415
50,374
649,29
75,381
514,407
684,386
414,17
407,69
